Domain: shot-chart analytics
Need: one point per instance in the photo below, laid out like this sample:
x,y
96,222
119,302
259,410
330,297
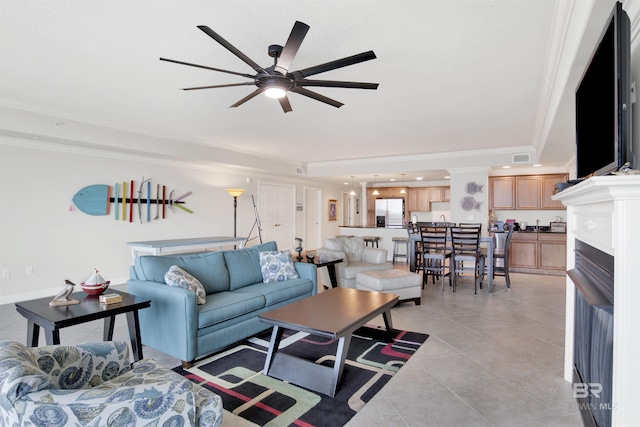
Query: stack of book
x,y
110,298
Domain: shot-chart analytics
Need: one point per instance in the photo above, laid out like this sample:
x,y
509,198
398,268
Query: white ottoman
x,y
404,283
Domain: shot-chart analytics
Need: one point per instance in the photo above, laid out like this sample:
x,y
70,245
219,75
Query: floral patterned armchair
x,y
94,384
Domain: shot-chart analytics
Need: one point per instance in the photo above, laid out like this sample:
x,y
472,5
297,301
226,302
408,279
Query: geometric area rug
x,y
235,374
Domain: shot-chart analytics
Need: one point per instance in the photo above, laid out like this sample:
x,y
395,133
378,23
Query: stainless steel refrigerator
x,y
391,211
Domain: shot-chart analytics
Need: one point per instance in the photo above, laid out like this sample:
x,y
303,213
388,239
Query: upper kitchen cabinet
x,y
396,192
418,200
502,192
524,191
528,192
548,186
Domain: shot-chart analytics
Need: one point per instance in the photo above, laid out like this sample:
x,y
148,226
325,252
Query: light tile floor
x,y
490,360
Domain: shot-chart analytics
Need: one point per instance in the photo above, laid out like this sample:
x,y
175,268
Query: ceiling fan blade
x,y
332,83
338,63
316,96
231,48
298,32
218,86
249,76
285,104
248,97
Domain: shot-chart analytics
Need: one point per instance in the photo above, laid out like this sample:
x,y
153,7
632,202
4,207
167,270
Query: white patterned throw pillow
x,y
181,279
277,266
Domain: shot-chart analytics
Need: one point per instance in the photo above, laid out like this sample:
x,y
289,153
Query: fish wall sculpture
x,y
97,199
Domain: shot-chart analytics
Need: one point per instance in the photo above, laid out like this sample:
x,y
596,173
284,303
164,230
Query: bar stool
x,y
371,239
400,241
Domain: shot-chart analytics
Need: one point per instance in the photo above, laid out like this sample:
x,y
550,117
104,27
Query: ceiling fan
x,y
276,80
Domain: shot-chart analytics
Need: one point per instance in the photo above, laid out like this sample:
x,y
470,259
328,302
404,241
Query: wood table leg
x,y
276,337
338,366
331,268
388,323
33,333
109,324
52,336
133,324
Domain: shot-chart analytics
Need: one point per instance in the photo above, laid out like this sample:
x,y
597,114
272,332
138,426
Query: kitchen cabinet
x,y
552,250
538,253
548,187
502,194
397,192
446,194
525,192
435,194
524,250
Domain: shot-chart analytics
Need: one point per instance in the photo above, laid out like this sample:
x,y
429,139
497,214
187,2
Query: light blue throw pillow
x,y
277,266
181,279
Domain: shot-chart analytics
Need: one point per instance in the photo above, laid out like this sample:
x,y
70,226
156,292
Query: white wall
x,y
37,229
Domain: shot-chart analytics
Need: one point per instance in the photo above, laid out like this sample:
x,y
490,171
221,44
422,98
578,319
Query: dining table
x,y
486,240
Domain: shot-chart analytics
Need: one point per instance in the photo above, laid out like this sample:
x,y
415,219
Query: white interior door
x,y
277,214
312,217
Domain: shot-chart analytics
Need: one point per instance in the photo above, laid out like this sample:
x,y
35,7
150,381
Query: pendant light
x,y
403,191
375,190
352,193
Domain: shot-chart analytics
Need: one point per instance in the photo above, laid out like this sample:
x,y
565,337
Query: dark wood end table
x,y
334,314
39,314
331,268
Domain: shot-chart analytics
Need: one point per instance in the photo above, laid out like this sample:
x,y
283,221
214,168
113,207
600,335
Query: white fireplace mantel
x,y
604,212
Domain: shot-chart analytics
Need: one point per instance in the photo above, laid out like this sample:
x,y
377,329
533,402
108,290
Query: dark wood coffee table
x,y
39,314
335,313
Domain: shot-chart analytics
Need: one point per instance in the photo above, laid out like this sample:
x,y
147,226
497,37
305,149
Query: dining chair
x,y
501,257
434,254
465,246
414,231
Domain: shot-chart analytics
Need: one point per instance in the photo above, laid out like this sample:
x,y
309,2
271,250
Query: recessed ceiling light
x,y
537,165
346,183
418,178
506,167
447,177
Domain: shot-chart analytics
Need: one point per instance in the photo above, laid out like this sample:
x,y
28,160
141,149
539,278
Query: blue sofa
x,y
176,325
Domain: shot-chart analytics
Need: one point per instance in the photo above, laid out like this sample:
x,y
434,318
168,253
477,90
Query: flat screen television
x,y
603,102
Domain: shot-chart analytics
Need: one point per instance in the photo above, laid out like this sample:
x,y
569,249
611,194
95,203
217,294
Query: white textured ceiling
x,y
455,75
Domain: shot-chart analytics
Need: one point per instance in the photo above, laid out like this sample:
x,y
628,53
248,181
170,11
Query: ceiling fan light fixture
x,y
275,92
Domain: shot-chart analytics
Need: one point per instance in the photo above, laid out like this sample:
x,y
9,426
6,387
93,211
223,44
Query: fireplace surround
x,y
602,212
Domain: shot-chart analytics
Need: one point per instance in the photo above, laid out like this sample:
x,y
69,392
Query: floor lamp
x,y
235,192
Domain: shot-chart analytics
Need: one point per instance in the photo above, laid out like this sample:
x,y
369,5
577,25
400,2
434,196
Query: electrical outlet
x,y
5,273
29,270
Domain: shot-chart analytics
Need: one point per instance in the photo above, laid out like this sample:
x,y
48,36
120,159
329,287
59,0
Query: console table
x,y
161,247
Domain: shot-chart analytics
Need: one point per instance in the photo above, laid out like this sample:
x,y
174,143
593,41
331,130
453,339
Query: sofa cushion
x,y
353,247
277,266
178,277
223,306
281,291
244,265
208,267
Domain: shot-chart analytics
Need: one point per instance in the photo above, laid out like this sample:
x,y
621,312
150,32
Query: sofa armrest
x,y
374,255
149,390
170,324
309,271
